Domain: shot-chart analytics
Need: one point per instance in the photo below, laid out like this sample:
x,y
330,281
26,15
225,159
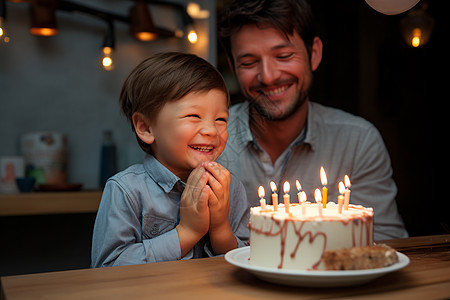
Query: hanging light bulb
x,y
107,60
108,48
3,36
416,27
191,34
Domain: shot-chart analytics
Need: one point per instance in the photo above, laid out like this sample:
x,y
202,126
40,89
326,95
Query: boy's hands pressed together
x,y
194,211
220,233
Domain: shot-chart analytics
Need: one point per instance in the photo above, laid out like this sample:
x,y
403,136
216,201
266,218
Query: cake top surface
x,y
311,211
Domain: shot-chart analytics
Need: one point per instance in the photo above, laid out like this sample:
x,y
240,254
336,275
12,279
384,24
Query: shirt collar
x,y
311,125
245,135
162,176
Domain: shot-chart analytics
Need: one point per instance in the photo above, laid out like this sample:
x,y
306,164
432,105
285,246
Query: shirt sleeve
x,y
375,187
117,237
239,212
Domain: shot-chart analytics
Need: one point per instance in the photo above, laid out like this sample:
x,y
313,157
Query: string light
x,y
43,21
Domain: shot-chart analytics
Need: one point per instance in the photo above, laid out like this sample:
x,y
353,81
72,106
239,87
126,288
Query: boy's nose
x,y
209,128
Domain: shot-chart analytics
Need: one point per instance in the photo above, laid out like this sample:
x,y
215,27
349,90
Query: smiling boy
x,y
179,203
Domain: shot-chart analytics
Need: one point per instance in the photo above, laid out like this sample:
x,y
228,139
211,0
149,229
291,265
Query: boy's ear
x,y
142,127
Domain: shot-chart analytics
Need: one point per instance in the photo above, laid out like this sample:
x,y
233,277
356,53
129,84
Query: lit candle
x,y
323,178
286,188
262,201
302,201
318,197
273,186
299,189
341,197
347,192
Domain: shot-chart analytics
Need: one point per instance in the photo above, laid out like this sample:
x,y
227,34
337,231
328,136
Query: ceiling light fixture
x,y
141,22
43,18
108,48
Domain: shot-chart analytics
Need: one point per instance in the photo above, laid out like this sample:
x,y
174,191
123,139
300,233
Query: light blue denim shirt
x,y
342,143
138,213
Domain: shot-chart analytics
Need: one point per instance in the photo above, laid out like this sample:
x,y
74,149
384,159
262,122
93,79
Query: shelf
x,y
40,203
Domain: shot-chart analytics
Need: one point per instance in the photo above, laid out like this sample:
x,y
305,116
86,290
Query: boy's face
x,y
190,131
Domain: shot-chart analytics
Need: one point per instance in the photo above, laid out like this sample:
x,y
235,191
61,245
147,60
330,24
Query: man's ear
x,y
316,53
142,127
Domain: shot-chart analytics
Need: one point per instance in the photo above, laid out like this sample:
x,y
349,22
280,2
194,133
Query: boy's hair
x,y
165,77
287,16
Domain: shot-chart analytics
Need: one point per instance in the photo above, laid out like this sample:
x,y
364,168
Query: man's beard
x,y
266,109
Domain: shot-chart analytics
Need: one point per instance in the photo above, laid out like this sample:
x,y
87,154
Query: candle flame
x,y
303,196
286,187
318,196
299,187
261,192
323,176
273,187
341,187
348,184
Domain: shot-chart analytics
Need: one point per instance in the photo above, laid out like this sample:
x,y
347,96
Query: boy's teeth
x,y
205,149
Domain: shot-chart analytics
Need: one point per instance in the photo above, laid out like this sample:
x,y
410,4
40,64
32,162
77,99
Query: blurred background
x,y
58,84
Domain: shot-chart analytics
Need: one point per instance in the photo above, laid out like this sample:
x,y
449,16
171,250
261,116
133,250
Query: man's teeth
x,y
275,91
204,149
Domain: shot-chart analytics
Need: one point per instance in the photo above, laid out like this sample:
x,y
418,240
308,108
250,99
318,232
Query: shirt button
x,y
155,229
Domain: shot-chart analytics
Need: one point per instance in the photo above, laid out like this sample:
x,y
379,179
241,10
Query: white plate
x,y
240,257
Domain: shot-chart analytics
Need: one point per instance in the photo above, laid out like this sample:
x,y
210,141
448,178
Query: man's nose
x,y
268,72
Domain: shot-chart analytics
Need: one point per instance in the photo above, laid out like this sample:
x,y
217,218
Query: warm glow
x,y
348,184
273,187
145,36
323,176
341,187
297,184
286,187
107,50
193,9
44,31
417,37
1,31
192,37
318,196
261,192
107,62
303,196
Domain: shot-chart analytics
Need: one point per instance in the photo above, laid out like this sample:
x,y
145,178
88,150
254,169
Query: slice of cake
x,y
358,258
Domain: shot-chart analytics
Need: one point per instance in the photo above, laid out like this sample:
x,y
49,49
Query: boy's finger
x,y
218,171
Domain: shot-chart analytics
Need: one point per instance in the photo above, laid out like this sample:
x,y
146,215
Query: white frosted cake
x,y
299,239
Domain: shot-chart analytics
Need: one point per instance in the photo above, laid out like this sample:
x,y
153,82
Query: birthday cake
x,y
299,238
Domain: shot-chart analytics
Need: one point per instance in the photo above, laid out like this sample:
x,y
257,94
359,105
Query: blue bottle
x,y
108,160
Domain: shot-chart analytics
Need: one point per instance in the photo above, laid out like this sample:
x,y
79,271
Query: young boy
x,y
179,203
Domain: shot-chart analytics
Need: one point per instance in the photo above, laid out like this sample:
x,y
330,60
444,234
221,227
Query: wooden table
x,y
39,203
426,277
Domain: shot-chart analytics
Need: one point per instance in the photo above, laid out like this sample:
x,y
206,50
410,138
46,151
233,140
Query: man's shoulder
x,y
332,116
